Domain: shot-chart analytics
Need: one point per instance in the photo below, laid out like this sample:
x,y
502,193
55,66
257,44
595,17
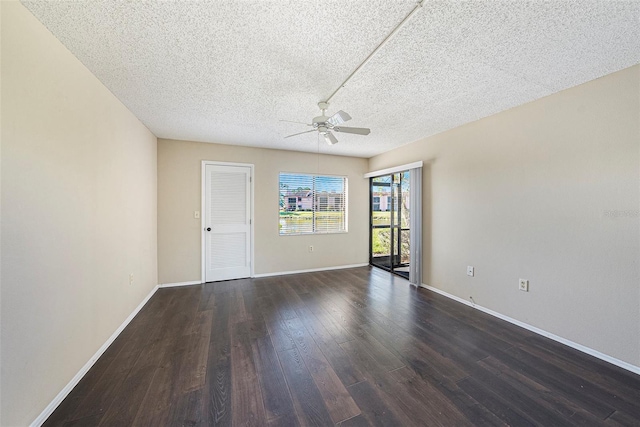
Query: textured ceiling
x,y
226,71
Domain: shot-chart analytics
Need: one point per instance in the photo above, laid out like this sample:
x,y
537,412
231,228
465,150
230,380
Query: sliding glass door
x,y
389,222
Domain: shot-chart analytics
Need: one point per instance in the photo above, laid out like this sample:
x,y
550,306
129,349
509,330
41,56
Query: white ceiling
x,y
226,71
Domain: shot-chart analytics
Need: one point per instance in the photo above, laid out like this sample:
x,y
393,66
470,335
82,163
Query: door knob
x,y
208,228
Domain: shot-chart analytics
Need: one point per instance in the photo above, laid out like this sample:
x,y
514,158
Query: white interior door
x,y
227,220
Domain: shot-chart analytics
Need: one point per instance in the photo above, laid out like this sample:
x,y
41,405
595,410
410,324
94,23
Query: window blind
x,y
312,204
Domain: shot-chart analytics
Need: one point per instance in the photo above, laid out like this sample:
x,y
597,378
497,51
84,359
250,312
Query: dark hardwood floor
x,y
349,347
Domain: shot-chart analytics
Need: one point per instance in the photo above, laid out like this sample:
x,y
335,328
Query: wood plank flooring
x,y
352,347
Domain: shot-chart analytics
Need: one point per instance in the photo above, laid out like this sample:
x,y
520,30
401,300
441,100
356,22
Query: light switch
x,y
196,214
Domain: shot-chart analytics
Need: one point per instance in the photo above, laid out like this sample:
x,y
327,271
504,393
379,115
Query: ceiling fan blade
x,y
357,131
331,140
339,118
300,133
293,121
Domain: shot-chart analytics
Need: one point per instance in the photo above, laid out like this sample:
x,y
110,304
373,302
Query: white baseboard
x,y
173,285
76,379
280,273
310,270
595,353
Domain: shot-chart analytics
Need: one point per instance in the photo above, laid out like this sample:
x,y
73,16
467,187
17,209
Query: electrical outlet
x,y
310,248
196,214
470,271
523,285
131,279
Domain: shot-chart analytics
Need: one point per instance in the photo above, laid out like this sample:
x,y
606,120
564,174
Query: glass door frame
x,y
395,242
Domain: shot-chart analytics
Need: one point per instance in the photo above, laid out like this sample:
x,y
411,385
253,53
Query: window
x,y
312,204
376,203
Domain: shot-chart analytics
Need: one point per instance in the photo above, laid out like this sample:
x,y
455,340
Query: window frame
x,y
315,196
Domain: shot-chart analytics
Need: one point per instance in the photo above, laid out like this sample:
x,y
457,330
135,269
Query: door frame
x,y
416,221
205,163
394,249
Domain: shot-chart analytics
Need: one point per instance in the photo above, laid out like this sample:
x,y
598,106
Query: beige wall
x,y
179,175
527,193
78,215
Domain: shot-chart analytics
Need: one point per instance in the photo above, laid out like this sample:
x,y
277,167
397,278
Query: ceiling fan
x,y
324,125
